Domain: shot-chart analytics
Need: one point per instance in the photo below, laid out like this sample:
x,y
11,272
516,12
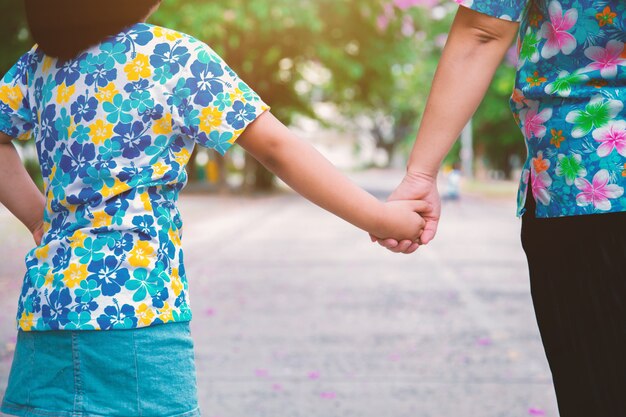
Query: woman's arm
x,y
18,192
476,45
314,177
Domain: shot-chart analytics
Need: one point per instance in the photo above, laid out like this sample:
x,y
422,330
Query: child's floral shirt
x,y
114,129
569,101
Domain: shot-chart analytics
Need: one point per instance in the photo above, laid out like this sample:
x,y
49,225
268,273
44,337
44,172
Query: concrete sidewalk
x,y
297,314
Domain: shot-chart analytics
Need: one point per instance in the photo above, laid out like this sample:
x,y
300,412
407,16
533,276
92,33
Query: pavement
x,y
297,314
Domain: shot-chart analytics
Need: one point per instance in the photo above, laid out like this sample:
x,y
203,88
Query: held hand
x,y
399,220
416,186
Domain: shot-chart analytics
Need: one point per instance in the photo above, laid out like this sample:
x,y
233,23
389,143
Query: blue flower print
x,y
142,101
119,110
55,310
172,56
144,227
68,72
88,291
84,108
241,114
137,86
206,82
77,155
116,318
79,321
144,284
219,141
133,139
109,275
159,297
111,54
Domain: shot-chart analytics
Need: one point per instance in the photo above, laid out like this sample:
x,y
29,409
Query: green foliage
x,y
13,32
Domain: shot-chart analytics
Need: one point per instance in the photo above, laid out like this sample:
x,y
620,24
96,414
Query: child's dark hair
x,y
64,28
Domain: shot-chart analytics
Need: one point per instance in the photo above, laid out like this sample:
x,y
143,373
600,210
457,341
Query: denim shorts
x,y
148,371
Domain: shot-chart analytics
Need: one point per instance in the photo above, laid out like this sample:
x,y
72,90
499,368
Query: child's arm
x,y
310,174
475,48
18,192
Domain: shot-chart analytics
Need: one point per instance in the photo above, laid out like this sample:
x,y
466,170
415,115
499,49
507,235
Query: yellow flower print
x,y
177,284
237,95
159,169
42,252
24,136
77,240
118,187
174,236
182,157
141,254
74,275
65,93
144,314
101,131
210,119
138,68
48,280
27,321
145,199
107,93
46,64
170,35
101,219
165,313
12,96
163,126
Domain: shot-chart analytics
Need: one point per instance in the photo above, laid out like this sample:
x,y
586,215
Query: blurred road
x,y
297,314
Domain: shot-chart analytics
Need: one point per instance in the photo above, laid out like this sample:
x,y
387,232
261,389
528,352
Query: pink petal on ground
x,y
262,373
484,341
314,375
277,387
536,412
209,312
328,395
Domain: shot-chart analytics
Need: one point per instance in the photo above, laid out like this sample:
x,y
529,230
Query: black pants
x,y
578,284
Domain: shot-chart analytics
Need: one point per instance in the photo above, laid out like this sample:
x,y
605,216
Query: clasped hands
x,y
421,189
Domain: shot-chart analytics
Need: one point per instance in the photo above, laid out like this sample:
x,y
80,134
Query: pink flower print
x,y
598,191
606,59
540,180
533,120
555,31
612,136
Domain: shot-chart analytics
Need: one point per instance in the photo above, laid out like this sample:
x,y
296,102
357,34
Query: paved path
x,y
297,314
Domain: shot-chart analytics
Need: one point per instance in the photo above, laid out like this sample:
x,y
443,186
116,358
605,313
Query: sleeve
x,y
511,10
16,119
212,105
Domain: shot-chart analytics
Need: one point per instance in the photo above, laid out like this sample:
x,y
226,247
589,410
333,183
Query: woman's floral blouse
x,y
569,101
114,129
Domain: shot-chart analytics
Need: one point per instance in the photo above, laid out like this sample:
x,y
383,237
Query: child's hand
x,y
400,220
37,233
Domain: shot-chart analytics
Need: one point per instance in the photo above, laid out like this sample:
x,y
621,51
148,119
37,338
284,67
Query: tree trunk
x,y
256,177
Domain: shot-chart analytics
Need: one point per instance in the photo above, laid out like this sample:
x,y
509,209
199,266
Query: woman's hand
x,y
416,186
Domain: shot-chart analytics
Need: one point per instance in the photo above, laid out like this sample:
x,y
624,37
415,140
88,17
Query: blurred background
x,y
296,313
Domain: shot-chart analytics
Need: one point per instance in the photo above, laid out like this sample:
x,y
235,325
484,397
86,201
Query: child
x,y
115,106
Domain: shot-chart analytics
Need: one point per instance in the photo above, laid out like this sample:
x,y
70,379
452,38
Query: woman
x,y
569,102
